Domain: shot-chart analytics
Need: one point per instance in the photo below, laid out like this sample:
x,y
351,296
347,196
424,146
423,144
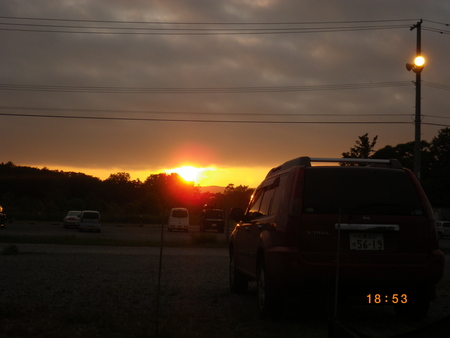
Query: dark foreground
x,y
99,291
76,291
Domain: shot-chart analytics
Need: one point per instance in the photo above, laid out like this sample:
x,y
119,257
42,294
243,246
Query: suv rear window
x,y
357,190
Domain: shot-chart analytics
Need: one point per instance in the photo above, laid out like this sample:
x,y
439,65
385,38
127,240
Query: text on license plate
x,y
366,241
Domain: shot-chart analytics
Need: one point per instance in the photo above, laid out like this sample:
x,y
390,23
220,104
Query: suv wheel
x,y
268,303
238,282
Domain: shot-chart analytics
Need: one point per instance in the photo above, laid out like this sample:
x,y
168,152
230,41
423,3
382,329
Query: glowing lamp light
x,y
419,61
417,66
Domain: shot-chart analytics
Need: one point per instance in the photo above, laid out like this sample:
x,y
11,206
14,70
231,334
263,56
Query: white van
x,y
90,220
178,219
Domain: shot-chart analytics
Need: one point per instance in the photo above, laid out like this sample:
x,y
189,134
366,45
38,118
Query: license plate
x,y
366,241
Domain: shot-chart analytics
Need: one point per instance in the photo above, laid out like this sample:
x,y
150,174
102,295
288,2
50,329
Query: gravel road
x,y
87,291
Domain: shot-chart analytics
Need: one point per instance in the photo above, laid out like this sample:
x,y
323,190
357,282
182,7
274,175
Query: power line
x,y
195,120
436,124
198,113
84,117
436,30
437,116
191,28
436,85
207,23
438,23
200,90
179,32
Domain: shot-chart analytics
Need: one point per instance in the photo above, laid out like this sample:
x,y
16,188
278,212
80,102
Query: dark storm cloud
x,y
143,61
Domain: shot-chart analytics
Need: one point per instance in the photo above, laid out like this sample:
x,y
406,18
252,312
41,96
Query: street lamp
x,y
417,68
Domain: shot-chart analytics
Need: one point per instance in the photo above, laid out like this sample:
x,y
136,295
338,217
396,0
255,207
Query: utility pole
x,y
418,116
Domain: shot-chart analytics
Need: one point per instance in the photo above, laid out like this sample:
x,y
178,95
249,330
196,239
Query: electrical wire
x,y
196,120
207,23
436,85
144,119
436,30
212,90
205,90
196,113
199,28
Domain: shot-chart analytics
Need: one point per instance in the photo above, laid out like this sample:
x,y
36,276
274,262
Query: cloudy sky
x,y
236,86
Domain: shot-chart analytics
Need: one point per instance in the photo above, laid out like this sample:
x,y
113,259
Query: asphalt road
x,y
120,232
53,282
109,231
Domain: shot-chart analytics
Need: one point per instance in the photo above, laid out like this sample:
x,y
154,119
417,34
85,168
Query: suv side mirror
x,y
237,214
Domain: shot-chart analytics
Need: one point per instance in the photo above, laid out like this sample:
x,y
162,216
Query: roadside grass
x,y
196,241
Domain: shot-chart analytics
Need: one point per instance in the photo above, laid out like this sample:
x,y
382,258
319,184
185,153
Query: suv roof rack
x,y
306,161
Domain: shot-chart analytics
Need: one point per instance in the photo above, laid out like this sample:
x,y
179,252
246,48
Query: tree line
x,y
435,162
28,193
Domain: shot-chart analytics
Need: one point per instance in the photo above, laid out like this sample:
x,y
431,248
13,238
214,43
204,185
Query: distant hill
x,y
213,189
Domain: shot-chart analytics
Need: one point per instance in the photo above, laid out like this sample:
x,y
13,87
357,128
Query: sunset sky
x,y
232,88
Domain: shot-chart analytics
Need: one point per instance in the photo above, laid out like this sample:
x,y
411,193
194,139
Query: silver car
x,y
72,219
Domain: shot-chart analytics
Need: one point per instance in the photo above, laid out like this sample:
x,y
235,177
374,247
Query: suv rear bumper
x,y
287,268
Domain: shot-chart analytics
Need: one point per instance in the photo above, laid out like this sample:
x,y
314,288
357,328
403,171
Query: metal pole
x,y
158,287
418,116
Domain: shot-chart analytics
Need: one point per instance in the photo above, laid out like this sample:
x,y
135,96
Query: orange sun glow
x,y
190,173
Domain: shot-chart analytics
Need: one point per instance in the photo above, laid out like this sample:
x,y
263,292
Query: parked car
x,y
90,220
178,219
212,219
72,219
373,224
443,228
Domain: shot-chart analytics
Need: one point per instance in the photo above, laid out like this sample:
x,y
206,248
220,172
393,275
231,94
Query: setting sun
x,y
190,173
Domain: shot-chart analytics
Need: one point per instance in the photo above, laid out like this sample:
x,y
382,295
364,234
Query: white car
x,y
90,220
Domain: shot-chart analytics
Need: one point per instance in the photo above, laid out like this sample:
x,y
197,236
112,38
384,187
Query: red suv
x,y
366,221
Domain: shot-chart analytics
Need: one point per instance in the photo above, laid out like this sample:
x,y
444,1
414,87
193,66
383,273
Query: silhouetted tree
x,y
362,149
438,185
404,152
235,197
440,147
